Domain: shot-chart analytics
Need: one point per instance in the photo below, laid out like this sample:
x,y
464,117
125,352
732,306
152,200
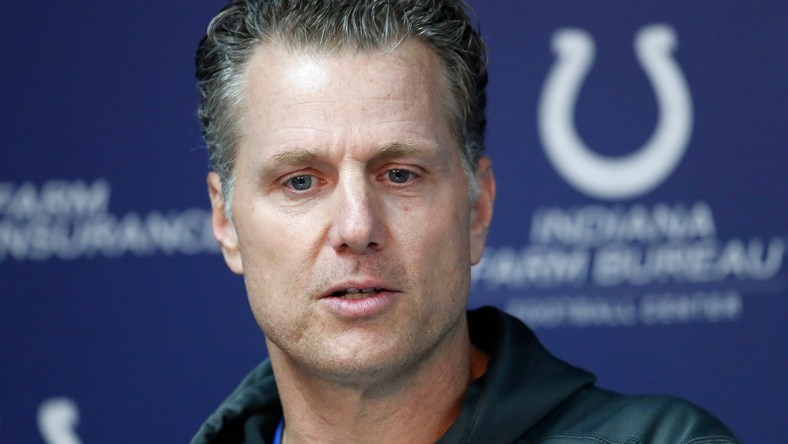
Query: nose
x,y
357,222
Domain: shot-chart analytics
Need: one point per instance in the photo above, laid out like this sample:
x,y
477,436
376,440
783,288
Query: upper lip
x,y
359,285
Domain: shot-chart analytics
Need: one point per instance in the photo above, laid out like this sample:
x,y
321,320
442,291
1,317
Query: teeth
x,y
352,290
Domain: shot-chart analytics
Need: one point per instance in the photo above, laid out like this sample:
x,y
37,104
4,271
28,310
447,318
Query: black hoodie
x,y
526,396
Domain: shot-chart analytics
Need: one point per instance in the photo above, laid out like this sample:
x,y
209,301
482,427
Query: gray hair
x,y
333,26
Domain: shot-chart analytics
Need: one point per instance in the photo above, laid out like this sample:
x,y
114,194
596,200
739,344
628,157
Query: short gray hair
x,y
242,26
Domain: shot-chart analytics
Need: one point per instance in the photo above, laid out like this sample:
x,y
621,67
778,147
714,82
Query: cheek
x,y
438,239
275,277
274,251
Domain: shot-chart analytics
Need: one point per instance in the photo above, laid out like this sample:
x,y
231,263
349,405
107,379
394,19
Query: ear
x,y
482,211
223,229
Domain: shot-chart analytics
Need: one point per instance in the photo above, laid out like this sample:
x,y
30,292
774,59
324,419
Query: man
x,y
350,191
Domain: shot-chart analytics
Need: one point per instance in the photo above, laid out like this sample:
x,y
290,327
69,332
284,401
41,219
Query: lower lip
x,y
367,307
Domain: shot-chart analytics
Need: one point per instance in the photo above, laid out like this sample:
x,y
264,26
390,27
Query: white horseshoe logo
x,y
636,173
57,419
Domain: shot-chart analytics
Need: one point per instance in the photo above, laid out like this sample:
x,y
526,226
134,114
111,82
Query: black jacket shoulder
x,y
530,396
594,415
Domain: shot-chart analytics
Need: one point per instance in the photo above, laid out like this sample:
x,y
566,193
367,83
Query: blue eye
x,y
399,176
301,183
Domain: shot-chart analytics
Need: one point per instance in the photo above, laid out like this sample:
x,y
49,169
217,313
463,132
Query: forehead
x,y
289,87
413,56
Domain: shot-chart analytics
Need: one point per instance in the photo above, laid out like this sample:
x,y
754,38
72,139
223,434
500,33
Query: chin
x,y
363,364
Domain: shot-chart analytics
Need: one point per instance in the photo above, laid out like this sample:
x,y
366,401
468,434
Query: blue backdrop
x,y
120,323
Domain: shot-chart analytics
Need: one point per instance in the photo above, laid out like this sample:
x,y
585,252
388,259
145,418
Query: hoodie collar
x,y
248,415
522,385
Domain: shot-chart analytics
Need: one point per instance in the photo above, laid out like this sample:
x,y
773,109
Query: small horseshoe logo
x,y
636,173
57,419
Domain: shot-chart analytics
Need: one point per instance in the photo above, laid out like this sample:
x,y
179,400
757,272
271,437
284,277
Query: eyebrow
x,y
389,151
395,150
298,155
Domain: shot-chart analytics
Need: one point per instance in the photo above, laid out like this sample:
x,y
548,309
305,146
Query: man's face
x,y
352,222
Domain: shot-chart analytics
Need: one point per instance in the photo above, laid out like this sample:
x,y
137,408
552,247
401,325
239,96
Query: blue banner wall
x,y
640,226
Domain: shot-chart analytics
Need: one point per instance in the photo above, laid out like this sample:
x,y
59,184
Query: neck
x,y
418,406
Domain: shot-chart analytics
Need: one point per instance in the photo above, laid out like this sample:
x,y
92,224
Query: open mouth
x,y
356,293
